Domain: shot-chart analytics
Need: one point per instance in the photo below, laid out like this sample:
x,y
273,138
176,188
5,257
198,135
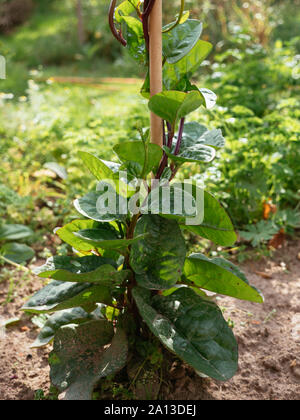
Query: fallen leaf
x,y
264,275
278,240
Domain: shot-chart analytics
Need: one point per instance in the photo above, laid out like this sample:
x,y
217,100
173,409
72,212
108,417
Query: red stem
x,y
117,34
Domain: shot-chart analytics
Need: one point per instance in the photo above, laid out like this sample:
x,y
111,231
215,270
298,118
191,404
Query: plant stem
x,y
117,34
178,19
179,138
21,267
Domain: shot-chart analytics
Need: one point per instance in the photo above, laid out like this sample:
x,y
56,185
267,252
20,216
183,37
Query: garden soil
x,y
268,337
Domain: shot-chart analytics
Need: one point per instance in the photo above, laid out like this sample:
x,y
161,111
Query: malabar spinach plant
x,y
131,276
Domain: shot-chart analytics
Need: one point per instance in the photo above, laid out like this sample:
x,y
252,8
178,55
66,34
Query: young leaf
x,y
90,269
136,151
79,358
158,258
125,9
14,232
220,276
181,40
193,328
173,105
174,74
17,253
216,225
57,296
135,38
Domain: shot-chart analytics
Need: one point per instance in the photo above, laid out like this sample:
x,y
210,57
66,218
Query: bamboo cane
x,y
155,53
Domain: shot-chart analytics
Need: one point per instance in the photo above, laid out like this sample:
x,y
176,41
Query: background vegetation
x,y
47,113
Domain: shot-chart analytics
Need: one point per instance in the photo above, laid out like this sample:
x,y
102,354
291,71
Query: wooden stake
x,y
155,52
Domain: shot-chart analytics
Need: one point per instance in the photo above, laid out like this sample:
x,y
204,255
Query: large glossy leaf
x,y
18,253
173,105
67,233
148,156
216,225
56,321
181,40
158,259
14,232
57,296
193,328
89,206
220,276
96,238
79,358
174,74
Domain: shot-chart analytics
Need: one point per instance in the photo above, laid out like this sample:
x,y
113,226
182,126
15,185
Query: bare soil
x,y
268,337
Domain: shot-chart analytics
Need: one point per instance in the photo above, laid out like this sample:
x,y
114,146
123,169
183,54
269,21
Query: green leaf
x,y
17,253
193,328
158,259
195,133
96,238
79,359
197,144
216,225
171,201
67,233
175,74
138,152
59,170
92,207
125,9
135,38
56,321
196,153
261,232
91,269
104,171
57,296
173,105
181,40
220,276
14,232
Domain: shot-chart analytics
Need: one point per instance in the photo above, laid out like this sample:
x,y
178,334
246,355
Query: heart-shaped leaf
x,y
174,105
193,328
175,74
181,40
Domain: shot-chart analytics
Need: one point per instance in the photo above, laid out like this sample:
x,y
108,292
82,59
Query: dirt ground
x,y
268,337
